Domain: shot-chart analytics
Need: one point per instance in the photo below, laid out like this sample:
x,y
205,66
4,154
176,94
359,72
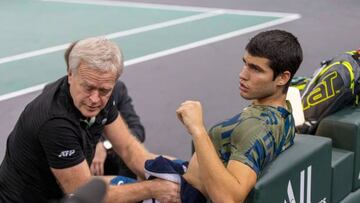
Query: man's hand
x,y
97,165
191,115
165,191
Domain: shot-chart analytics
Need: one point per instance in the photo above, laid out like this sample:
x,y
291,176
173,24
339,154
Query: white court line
x,y
211,40
114,35
22,92
170,7
210,12
172,51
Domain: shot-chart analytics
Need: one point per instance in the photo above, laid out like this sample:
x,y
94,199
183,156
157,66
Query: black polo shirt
x,y
50,132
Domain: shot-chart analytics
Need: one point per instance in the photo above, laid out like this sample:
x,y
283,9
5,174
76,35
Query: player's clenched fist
x,y
190,114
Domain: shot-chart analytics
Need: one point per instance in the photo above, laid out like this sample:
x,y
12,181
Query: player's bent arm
x,y
192,175
221,184
245,176
231,184
127,146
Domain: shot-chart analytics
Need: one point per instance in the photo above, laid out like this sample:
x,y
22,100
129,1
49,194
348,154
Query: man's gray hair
x,y
97,53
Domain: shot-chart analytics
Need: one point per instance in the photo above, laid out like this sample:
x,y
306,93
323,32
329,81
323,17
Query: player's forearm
x,y
219,184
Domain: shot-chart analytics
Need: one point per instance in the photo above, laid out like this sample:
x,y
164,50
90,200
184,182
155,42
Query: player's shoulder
x,y
265,114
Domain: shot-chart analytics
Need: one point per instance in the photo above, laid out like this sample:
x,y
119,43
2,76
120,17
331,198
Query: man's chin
x,y
89,114
245,96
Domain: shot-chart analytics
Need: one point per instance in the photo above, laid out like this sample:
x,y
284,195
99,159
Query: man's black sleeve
x,y
127,111
61,143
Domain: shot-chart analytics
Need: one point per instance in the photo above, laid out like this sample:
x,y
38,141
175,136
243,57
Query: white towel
x,y
293,95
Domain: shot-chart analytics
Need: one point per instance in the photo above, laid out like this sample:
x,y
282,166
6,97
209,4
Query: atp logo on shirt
x,y
67,153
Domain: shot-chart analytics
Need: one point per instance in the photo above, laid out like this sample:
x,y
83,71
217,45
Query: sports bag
x,y
334,86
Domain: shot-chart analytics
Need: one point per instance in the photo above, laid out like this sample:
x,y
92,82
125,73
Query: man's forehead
x,y
251,58
93,75
86,67
98,84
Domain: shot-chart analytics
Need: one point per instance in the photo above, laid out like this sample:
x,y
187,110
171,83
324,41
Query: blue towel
x,y
173,170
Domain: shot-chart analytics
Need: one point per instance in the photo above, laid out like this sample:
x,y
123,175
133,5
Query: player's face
x,y
256,79
90,89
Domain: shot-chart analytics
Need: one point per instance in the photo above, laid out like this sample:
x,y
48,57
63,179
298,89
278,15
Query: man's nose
x,y
244,74
94,96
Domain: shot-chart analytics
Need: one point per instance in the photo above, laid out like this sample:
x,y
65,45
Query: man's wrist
x,y
107,144
198,132
153,186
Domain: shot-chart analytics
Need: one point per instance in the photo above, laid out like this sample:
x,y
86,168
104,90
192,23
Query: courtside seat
x,y
353,197
342,164
343,127
300,174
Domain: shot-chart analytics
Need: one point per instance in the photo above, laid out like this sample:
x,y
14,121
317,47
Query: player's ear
x,y
70,72
70,75
283,78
